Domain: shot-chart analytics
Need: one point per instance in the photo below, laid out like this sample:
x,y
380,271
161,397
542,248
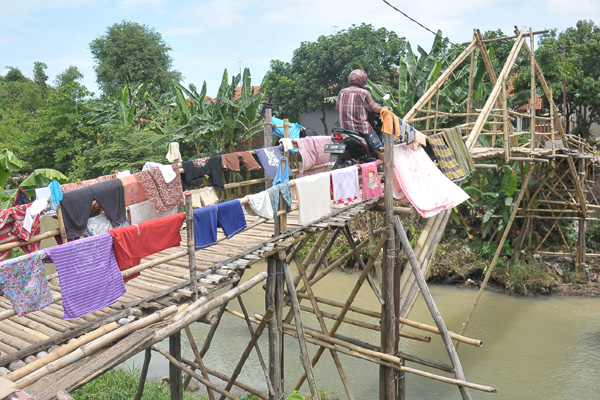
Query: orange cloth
x,y
390,122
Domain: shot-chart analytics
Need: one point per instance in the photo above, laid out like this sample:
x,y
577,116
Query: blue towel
x,y
231,218
55,194
205,227
269,158
283,173
294,131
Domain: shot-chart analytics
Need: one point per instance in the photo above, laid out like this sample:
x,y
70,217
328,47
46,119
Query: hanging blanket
x,y
344,185
231,218
454,140
312,150
164,196
418,181
445,158
133,190
313,193
205,227
88,273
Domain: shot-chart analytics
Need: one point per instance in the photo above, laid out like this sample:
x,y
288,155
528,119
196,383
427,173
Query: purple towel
x,y
231,218
205,227
269,158
88,273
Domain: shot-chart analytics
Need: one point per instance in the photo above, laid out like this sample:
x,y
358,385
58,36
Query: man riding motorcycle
x,y
353,104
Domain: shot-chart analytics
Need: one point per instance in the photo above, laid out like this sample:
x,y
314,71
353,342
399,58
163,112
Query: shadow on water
x,y
534,348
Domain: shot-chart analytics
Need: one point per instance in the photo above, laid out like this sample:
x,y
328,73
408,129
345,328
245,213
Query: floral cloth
x,y
164,196
133,190
417,180
371,184
23,281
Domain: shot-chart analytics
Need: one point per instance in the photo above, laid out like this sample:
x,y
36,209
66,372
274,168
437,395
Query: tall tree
x,y
40,77
71,74
132,54
320,69
571,61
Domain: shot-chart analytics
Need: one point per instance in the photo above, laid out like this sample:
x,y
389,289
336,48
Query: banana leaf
x,y
42,177
8,163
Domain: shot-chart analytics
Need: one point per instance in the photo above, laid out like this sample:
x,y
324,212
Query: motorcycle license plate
x,y
335,148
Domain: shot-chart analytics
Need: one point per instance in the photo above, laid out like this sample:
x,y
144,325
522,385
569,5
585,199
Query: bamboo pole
x,y
533,91
198,358
319,315
360,262
470,142
458,372
143,375
191,251
95,345
61,224
200,378
498,250
34,239
505,120
252,343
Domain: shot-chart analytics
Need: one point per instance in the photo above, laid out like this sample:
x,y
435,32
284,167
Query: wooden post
x,y
506,122
533,122
198,357
552,124
387,389
471,79
61,224
267,136
175,375
143,374
304,357
275,334
433,310
191,251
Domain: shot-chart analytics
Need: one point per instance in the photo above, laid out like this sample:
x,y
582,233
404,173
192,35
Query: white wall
x,y
313,120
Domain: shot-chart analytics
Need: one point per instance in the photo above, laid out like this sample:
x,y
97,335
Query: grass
x,y
120,384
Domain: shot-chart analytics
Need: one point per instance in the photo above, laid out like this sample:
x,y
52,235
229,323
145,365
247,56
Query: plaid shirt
x,y
353,103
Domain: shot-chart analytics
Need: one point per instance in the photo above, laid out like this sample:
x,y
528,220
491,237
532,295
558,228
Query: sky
x,y
208,36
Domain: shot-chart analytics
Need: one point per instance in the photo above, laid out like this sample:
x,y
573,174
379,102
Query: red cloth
x,y
134,242
14,231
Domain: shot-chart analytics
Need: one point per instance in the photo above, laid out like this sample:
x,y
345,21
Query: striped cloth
x,y
454,140
446,159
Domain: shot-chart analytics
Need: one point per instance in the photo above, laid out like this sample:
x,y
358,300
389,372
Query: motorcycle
x,y
349,147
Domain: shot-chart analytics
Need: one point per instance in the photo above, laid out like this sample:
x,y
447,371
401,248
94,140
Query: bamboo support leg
x,y
323,326
304,357
248,349
439,322
199,361
143,375
189,220
175,376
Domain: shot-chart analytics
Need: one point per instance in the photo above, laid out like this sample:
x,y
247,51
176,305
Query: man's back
x,y
353,103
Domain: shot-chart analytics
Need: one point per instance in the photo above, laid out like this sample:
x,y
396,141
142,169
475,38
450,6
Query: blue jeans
x,y
375,145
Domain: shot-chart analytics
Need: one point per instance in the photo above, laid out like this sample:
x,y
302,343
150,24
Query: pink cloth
x,y
418,180
344,185
371,184
312,150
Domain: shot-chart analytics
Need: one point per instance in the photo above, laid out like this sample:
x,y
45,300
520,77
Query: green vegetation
x,y
119,384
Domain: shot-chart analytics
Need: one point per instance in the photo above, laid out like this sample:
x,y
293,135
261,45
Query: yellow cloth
x,y
390,122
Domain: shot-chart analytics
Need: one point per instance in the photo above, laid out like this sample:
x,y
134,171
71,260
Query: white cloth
x,y
121,174
33,211
145,211
260,204
418,180
166,170
287,144
45,193
173,155
204,197
345,185
313,196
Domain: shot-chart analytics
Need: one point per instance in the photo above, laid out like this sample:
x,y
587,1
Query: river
x,y
545,348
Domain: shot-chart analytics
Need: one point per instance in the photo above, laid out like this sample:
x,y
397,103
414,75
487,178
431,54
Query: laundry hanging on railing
x,y
417,180
206,196
344,185
283,172
134,193
371,184
14,231
231,161
134,242
230,217
145,211
164,196
269,159
77,204
312,150
213,169
259,204
275,192
23,281
313,193
88,273
278,130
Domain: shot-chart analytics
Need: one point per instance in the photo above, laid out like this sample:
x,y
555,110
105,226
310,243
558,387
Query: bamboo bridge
x,y
49,357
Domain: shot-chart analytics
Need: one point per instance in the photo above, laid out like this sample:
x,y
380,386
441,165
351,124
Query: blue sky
x,y
208,36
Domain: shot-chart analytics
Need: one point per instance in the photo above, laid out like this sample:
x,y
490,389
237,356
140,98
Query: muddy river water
x,y
533,348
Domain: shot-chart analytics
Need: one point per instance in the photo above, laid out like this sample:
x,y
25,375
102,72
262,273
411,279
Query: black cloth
x,y
76,205
213,169
21,197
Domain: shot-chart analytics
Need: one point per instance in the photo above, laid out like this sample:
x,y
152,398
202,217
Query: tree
x,y
39,76
572,60
70,74
320,69
132,54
